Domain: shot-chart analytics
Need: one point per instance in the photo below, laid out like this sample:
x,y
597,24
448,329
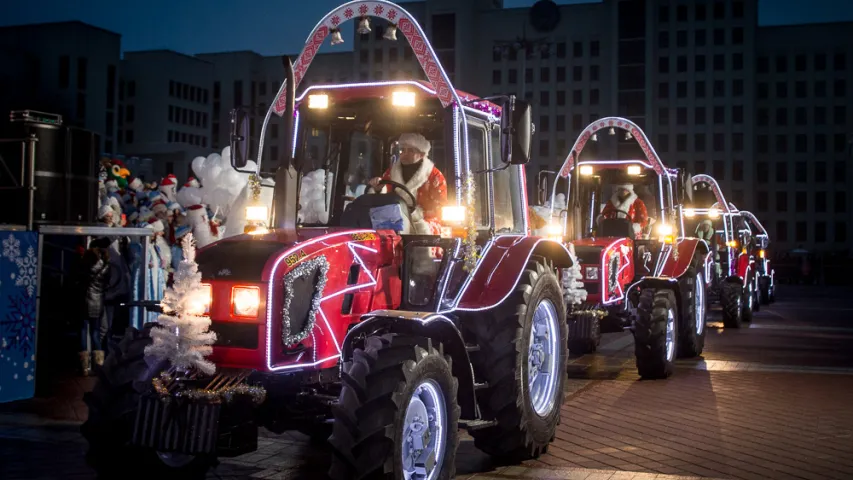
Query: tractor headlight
x,y
591,273
689,213
245,301
199,302
453,215
713,213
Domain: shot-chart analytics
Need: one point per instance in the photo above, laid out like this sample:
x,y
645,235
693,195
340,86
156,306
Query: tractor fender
x,y
500,268
676,266
734,279
656,283
430,325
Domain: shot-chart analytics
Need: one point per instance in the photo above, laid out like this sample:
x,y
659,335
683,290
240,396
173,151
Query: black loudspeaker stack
x,y
64,172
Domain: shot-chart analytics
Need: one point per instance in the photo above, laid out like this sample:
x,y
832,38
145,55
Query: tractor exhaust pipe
x,y
286,194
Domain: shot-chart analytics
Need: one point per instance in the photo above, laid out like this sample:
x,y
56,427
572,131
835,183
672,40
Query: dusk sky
x,y
273,27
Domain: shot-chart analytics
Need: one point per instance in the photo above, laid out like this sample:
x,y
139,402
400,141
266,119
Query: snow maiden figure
x,y
159,260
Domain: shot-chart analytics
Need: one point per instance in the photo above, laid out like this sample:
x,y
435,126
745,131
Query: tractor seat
x,y
616,227
376,211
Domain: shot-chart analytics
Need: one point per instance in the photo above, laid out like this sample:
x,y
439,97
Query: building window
x,y
663,142
719,170
699,38
763,144
763,90
681,63
699,11
578,49
719,62
111,86
561,74
681,13
781,172
781,64
839,114
840,61
171,112
681,89
544,124
781,201
699,63
594,48
737,142
719,10
544,98
737,35
131,89
820,172
737,114
681,39
699,89
800,117
719,88
699,166
781,231
593,96
820,115
781,144
719,142
561,98
840,204
663,14
719,115
737,9
781,117
543,148
719,36
802,172
496,77
82,70
840,88
840,232
561,50
820,202
681,142
128,137
820,88
763,65
663,65
801,144
663,39
64,71
577,97
737,61
699,116
577,121
840,141
561,125
663,90
761,201
802,232
169,136
130,113
762,172
544,74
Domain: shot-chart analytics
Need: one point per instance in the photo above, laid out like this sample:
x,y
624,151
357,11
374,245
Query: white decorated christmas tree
x,y
182,336
573,289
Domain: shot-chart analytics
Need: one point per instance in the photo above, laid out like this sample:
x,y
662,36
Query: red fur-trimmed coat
x,y
430,188
633,206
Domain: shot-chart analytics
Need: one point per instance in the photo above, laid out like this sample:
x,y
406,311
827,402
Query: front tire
x,y
691,338
523,358
748,300
397,415
656,333
731,299
113,403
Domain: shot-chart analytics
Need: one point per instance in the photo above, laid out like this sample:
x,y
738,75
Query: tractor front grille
x,y
236,335
175,426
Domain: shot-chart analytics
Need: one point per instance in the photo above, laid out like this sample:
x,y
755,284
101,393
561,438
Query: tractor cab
x,y
764,273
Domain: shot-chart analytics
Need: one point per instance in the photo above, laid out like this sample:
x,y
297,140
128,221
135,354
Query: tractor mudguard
x,y
676,266
502,263
428,325
653,282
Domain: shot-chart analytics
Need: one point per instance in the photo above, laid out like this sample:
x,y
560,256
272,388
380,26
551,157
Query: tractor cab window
x,y
617,202
507,195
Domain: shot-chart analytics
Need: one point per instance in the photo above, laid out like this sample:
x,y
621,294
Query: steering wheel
x,y
401,187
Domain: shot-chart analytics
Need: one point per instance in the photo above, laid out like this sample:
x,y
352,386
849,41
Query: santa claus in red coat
x,y
626,204
423,179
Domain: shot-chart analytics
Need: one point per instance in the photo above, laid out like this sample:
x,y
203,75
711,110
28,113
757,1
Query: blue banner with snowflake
x,y
18,278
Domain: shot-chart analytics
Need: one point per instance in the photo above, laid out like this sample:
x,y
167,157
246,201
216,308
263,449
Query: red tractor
x,y
714,220
357,329
640,269
765,283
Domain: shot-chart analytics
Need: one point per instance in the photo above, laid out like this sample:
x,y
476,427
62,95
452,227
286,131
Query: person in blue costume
x,y
159,260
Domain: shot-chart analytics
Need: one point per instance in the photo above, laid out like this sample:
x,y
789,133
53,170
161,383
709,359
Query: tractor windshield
x,y
616,201
341,147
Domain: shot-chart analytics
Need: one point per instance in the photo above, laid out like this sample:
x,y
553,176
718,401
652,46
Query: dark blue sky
x,y
273,27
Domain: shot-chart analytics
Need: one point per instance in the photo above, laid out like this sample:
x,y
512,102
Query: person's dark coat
x,y
96,274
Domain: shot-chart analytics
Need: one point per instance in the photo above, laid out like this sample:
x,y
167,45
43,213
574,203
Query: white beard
x,y
165,251
419,225
623,205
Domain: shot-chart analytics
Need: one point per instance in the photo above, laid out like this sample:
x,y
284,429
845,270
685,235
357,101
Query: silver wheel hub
x,y
670,335
424,429
174,459
700,304
543,355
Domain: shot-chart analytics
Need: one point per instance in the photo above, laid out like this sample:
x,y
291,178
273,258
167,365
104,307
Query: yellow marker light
x,y
761,253
255,230
318,101
257,213
732,243
689,213
245,301
453,214
713,213
634,170
669,239
403,99
555,230
199,302
586,169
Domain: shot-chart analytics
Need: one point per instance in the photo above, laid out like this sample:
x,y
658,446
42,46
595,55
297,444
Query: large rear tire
x,y
691,338
731,299
656,333
397,415
522,357
113,403
748,300
764,290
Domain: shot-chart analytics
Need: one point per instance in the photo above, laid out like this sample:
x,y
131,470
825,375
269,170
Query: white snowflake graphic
x,y
11,248
27,271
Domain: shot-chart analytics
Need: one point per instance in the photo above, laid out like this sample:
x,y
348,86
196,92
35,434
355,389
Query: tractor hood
x,y
242,258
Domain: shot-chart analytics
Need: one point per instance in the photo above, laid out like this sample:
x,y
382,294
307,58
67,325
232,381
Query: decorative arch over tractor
x,y
385,10
614,122
715,187
754,220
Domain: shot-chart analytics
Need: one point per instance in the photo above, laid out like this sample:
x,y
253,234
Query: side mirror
x,y
516,129
240,123
542,186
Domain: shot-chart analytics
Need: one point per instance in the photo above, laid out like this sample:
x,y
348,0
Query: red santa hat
x,y
416,141
135,184
155,224
196,213
159,207
168,181
626,186
192,182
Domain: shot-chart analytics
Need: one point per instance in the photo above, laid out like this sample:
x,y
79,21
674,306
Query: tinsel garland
x,y
469,242
224,395
613,273
307,267
255,187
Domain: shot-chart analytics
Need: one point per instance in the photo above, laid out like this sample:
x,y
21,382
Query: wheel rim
x,y
700,305
423,443
670,335
543,353
174,459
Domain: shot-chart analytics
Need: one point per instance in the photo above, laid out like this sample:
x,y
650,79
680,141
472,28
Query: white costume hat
x,y
626,186
155,224
416,141
104,211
